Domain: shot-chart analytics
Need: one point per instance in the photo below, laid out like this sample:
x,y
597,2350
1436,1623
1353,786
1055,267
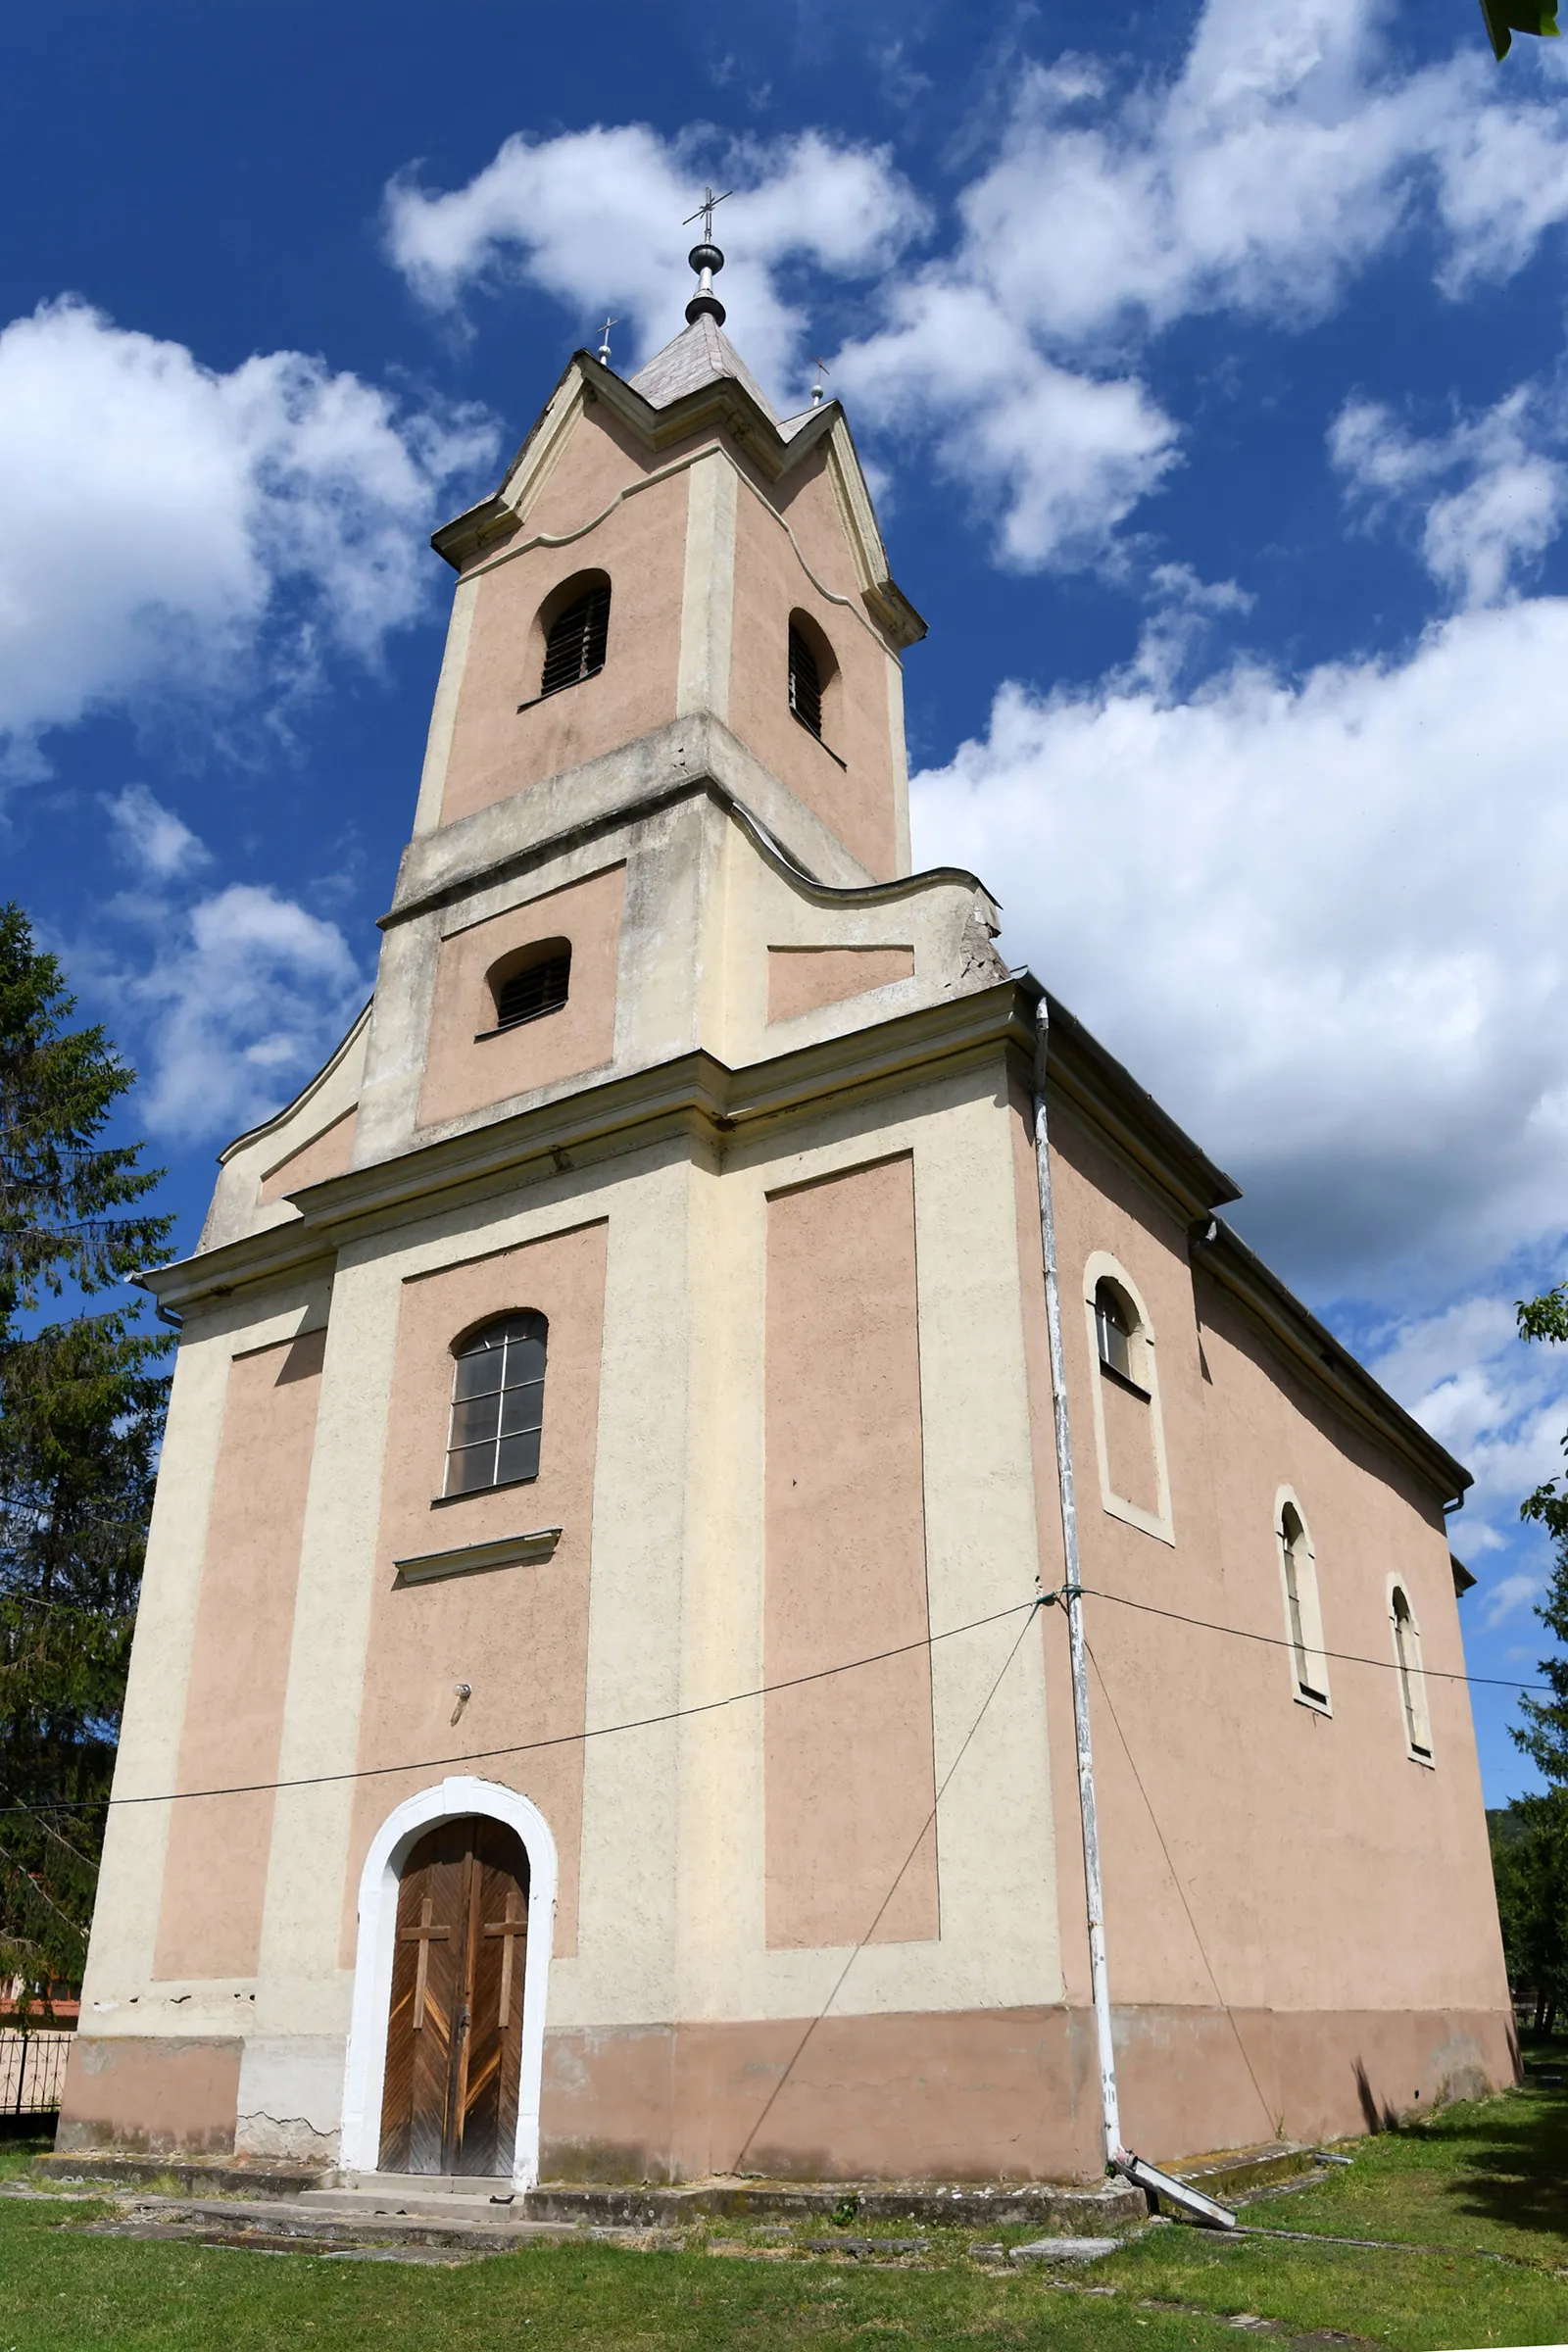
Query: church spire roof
x,y
700,354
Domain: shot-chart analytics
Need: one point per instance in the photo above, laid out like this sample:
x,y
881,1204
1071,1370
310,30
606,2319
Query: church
x,y
601,1705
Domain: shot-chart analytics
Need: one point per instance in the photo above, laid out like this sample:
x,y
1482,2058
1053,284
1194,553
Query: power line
x,y
1346,1657
524,1747
897,1879
735,1699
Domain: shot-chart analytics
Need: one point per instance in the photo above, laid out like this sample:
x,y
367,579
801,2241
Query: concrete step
x,y
1067,2212
194,2175
438,2201
292,2224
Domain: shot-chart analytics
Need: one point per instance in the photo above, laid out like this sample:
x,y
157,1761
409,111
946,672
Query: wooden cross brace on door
x,y
425,1934
514,1924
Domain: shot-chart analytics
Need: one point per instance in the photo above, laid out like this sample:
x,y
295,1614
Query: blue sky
x,y
1209,364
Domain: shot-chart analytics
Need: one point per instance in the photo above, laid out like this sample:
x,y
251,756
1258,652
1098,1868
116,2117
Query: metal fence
x,y
33,2067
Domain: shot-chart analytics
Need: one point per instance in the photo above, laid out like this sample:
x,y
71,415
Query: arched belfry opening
x,y
454,2041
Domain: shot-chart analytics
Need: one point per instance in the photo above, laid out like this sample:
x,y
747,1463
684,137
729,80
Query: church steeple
x,y
717,536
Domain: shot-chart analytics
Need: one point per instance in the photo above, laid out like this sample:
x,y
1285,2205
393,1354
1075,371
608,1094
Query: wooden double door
x,y
454,2043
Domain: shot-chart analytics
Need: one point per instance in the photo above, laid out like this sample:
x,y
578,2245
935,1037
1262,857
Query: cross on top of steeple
x,y
705,258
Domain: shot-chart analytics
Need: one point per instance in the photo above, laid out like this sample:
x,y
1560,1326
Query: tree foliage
x,y
82,1403
1530,1865
1543,1733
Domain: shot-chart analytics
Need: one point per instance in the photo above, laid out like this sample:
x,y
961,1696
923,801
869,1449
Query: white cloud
x,y
594,218
1063,456
1498,1402
156,843
1323,919
166,523
1490,493
245,1004
1282,158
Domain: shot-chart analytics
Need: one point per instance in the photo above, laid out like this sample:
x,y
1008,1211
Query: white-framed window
x,y
1412,1680
498,1401
1303,1616
1129,1429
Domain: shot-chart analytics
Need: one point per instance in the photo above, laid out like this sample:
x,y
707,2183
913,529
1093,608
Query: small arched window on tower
x,y
1412,1679
805,681
576,637
1304,1620
526,985
498,1404
812,681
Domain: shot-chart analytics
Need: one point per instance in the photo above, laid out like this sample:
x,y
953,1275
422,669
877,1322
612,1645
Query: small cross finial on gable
x,y
604,348
822,369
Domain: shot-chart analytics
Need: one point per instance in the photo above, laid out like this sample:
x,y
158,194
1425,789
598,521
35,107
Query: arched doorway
x,y
413,1840
454,2043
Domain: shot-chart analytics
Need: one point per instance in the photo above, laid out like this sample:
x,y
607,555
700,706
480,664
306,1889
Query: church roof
x,y
700,354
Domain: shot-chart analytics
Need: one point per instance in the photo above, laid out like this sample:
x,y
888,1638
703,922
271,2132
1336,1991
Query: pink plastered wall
x,y
518,1635
327,1154
848,1763
214,1874
1322,1870
802,979
857,800
469,1065
640,542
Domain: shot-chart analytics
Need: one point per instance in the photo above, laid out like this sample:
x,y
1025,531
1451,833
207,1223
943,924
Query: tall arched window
x,y
1128,1435
1412,1680
1304,1619
498,1401
575,640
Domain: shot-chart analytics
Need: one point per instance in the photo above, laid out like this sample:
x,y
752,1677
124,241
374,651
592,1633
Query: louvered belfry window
x,y
539,988
805,683
498,1404
575,649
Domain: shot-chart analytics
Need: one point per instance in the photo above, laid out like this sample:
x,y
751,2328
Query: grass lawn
x,y
1489,2179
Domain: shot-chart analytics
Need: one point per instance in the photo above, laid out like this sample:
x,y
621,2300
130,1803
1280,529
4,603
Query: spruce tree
x,y
81,1411
1530,1844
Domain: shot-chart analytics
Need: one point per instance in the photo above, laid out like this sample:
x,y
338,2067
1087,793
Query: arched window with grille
x,y
535,980
577,636
1412,1679
814,675
498,1404
805,681
1303,1617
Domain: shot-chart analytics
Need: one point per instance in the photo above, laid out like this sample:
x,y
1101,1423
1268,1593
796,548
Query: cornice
x,y
695,1092
701,1096
1327,1363
725,406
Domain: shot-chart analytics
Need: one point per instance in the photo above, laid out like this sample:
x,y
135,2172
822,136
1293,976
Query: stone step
x,y
292,2223
437,2202
1067,2212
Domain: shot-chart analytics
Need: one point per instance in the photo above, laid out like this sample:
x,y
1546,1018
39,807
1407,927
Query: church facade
x,y
589,1715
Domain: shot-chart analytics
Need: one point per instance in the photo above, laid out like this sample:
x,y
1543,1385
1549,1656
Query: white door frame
x,y
449,1800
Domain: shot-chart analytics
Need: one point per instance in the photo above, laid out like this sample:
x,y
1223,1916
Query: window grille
x,y
539,988
1412,1681
1113,1332
575,649
497,1398
806,684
